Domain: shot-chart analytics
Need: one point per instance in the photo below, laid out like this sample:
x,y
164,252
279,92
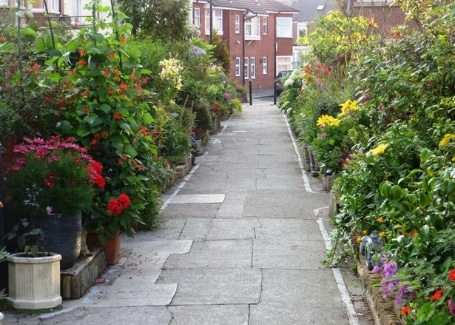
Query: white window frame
x,y
197,17
252,29
217,21
237,24
265,65
246,67
237,67
284,27
265,25
253,67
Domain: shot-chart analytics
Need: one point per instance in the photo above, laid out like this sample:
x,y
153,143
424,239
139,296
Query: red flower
x,y
50,180
124,200
406,310
99,181
114,207
437,295
117,116
96,166
451,276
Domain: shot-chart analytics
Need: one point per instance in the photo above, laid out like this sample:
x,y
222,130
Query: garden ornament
x,y
369,246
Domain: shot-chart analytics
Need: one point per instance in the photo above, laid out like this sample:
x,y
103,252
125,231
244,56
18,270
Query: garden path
x,y
243,241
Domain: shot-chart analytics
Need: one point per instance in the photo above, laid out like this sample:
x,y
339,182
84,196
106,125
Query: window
x,y
253,67
283,63
237,24
284,27
4,3
265,66
265,26
237,67
52,6
197,17
217,21
252,28
246,67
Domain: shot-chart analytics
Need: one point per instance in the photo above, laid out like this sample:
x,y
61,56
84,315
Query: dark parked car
x,y
280,78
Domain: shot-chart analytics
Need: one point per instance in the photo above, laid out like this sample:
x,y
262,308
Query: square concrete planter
x,y
34,282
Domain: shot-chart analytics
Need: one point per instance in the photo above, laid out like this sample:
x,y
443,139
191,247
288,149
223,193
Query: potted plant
x,y
50,182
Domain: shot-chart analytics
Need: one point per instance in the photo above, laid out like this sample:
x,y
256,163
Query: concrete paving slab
x,y
210,315
214,254
290,229
274,204
214,286
292,314
198,198
232,206
233,229
286,254
139,292
150,315
191,210
196,229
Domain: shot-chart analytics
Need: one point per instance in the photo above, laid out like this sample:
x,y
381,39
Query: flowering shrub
x,y
54,175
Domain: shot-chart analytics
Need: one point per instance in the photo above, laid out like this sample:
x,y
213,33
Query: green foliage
x,y
164,20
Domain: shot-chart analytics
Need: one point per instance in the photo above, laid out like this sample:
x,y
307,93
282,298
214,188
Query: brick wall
x,y
385,15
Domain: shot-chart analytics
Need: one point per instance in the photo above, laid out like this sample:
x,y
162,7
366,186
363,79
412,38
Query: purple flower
x,y
226,96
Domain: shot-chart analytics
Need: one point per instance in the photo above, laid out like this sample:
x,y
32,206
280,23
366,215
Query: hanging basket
x,y
62,235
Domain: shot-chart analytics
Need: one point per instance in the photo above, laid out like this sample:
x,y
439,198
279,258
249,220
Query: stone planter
x,y
327,182
34,282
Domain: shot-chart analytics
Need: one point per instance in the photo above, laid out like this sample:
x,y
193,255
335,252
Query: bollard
x,y
250,83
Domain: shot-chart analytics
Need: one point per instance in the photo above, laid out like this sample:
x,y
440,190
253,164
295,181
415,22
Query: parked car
x,y
279,80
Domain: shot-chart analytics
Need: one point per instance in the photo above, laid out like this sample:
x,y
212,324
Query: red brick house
x,y
384,12
258,34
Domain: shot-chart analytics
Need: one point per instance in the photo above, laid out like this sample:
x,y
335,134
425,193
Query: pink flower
x,y
451,306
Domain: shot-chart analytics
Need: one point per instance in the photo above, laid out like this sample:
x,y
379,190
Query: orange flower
x,y
117,116
406,310
437,295
2,38
36,67
111,56
106,73
122,40
82,62
451,276
380,219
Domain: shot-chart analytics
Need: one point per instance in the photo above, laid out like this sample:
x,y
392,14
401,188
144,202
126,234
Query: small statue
x,y
369,246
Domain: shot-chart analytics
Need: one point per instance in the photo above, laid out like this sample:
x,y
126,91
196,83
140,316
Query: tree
x,y
159,19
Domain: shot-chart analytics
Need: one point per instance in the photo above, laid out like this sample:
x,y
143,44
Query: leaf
x,y
55,77
27,31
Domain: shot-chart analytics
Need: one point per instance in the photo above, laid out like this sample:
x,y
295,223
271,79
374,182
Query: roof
x,y
310,10
256,6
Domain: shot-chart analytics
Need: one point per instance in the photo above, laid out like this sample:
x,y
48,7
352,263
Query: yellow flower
x,y
382,234
379,150
358,239
446,139
380,219
348,107
364,232
327,120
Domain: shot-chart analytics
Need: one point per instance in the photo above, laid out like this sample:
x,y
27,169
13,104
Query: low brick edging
x,y
383,310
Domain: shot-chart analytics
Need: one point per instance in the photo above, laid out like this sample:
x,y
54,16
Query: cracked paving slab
x,y
214,286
